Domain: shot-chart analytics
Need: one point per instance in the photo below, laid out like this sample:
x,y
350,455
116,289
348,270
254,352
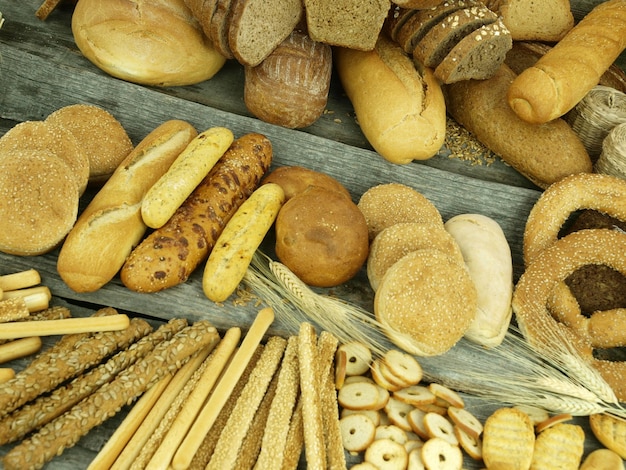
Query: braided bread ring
x,y
552,266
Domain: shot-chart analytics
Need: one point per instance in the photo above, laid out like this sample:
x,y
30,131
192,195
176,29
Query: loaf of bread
x,y
290,87
543,153
401,110
151,42
111,225
566,73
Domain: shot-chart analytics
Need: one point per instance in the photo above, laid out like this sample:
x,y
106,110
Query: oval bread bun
x,y
98,133
38,202
322,237
427,301
150,42
295,179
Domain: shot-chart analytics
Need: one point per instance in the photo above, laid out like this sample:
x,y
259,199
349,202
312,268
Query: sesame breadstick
x,y
45,408
282,408
295,439
13,309
237,426
65,431
57,365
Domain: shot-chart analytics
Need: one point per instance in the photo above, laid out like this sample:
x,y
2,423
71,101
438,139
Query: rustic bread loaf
x,y
290,87
218,24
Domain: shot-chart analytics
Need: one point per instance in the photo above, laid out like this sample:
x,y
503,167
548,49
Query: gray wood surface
x,y
41,70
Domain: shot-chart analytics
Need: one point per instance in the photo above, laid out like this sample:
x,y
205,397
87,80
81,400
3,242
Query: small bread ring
x,y
553,265
387,455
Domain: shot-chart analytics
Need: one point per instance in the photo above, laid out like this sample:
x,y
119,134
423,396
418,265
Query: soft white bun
x,y
151,42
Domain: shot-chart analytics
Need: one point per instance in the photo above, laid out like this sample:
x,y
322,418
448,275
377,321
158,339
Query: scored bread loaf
x,y
566,73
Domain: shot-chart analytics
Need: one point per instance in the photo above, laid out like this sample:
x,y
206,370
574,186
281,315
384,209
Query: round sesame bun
x,y
427,301
38,202
391,203
98,133
400,239
44,136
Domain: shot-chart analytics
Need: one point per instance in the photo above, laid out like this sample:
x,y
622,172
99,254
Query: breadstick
x,y
65,326
19,348
193,404
51,313
66,430
148,429
211,409
283,405
6,373
295,439
19,280
313,426
44,409
36,301
237,426
13,309
66,361
25,292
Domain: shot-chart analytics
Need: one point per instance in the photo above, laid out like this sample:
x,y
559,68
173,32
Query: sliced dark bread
x,y
477,56
355,24
396,19
416,27
442,37
218,27
202,10
257,27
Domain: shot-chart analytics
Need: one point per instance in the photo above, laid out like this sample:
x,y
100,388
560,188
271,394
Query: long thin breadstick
x,y
13,309
282,408
66,430
6,373
64,326
55,312
295,439
19,280
25,292
195,401
238,424
58,364
36,301
19,348
224,387
148,428
47,407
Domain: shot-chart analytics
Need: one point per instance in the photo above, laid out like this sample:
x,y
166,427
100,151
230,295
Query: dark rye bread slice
x,y
218,27
202,10
417,25
396,19
477,56
257,27
442,37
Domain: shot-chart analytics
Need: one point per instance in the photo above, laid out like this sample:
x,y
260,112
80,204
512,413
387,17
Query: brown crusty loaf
x,y
290,87
565,74
543,153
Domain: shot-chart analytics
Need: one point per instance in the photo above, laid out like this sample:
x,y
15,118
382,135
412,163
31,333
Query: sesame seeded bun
x,y
400,239
295,179
38,202
388,204
40,136
427,301
98,133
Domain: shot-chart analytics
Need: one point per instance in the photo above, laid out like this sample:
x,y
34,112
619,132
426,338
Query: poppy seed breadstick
x,y
66,430
45,408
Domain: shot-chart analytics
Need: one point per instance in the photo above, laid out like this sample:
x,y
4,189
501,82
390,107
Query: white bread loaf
x,y
401,110
111,225
151,42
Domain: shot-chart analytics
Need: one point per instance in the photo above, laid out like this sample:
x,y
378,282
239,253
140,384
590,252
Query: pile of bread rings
x,y
543,303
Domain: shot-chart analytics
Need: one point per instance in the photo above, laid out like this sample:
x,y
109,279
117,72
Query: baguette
x,y
542,153
171,253
111,225
566,73
400,110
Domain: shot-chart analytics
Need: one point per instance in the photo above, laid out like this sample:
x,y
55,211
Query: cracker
x,y
508,439
560,446
610,431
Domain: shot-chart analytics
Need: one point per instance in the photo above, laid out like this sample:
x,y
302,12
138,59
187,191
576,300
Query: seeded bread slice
x,y
396,19
257,27
442,38
477,56
416,27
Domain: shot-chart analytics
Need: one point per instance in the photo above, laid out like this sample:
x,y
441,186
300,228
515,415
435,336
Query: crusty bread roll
x,y
295,179
542,153
151,42
401,110
111,225
566,73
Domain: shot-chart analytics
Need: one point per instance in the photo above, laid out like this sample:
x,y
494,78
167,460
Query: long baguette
x,y
111,225
567,72
171,253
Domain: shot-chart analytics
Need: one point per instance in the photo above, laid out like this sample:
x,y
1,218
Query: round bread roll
x,y
387,204
150,42
295,179
400,239
98,133
321,236
427,301
43,136
38,202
